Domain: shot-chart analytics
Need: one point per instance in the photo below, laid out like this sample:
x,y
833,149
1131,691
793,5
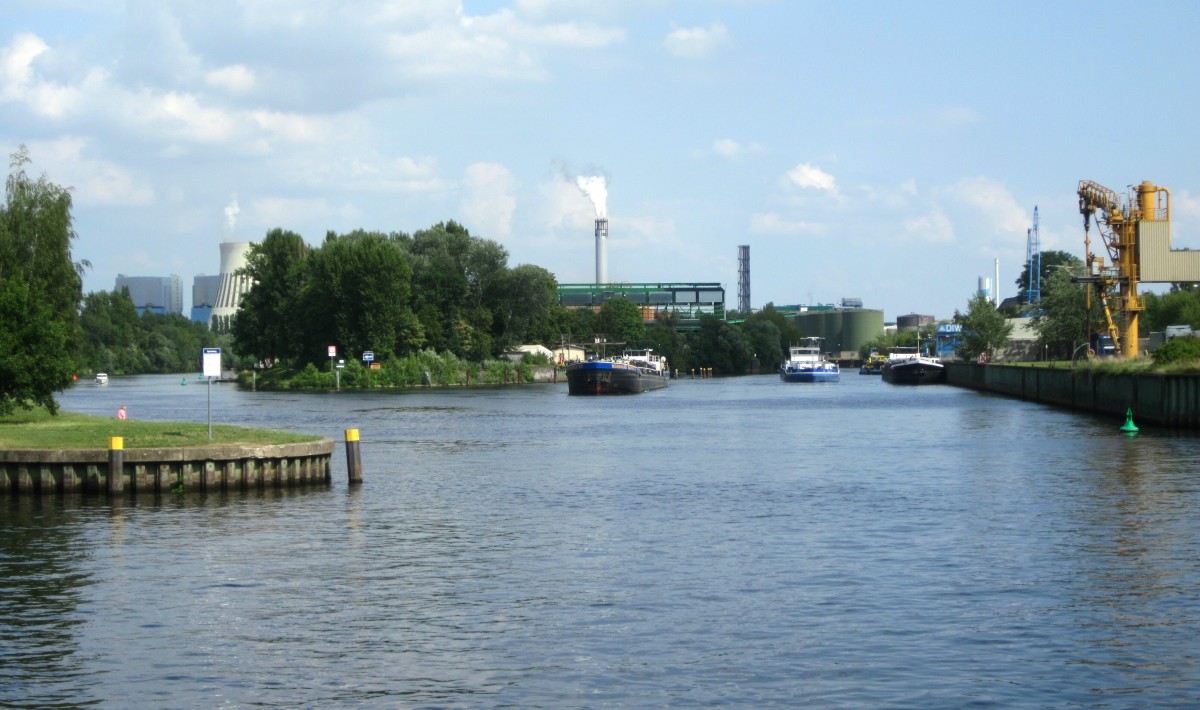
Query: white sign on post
x,y
212,362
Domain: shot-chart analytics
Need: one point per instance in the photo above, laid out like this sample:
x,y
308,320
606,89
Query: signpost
x,y
212,370
368,356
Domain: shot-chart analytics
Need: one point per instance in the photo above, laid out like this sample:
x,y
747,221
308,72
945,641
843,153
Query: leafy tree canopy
x,y
984,328
40,291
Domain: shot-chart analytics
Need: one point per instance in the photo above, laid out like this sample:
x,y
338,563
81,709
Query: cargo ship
x,y
907,366
632,372
806,364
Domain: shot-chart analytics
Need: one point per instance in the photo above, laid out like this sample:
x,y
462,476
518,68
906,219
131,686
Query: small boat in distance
x,y
873,365
101,378
805,363
631,372
907,366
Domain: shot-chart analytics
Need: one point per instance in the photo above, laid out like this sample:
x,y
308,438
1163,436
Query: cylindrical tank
x,y
912,321
833,332
859,327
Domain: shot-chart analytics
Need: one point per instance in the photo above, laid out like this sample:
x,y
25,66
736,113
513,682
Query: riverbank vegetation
x,y
37,428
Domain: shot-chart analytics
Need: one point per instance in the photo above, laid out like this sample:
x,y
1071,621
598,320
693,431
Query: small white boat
x,y
101,378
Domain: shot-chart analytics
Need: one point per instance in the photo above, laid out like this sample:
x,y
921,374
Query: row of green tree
x,y
444,290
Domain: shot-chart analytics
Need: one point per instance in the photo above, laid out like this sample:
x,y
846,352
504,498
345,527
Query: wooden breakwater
x,y
190,468
1158,399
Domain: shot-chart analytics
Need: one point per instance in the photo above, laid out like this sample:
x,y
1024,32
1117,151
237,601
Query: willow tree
x,y
40,291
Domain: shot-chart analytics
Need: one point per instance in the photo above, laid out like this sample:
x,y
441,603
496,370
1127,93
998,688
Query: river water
x,y
728,542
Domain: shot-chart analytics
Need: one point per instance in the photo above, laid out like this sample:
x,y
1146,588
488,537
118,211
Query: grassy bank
x,y
36,429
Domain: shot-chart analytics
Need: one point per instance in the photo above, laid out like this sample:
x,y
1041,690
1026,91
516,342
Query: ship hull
x,y
597,378
814,375
914,373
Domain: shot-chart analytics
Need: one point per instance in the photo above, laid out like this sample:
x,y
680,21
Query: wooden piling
x,y
116,465
353,457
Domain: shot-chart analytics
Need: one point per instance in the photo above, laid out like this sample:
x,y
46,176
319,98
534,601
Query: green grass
x,y
37,429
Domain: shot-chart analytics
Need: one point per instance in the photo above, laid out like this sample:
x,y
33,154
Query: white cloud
x,y
933,226
565,207
488,203
730,149
695,42
810,176
1001,211
19,83
236,78
93,181
772,224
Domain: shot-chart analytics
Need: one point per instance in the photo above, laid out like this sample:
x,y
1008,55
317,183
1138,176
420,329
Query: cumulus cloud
x,y
236,78
811,177
94,181
19,82
771,223
997,205
730,149
488,203
933,226
696,42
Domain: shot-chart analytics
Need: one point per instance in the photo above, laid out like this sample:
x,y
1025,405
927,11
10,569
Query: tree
x,y
721,346
357,296
620,321
789,332
1061,321
40,291
523,301
1051,261
763,337
984,328
268,325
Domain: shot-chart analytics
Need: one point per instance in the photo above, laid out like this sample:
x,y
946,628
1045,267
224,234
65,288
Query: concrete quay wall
x,y
194,468
1161,400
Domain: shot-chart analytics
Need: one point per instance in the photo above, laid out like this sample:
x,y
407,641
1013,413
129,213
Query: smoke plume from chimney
x,y
596,191
231,212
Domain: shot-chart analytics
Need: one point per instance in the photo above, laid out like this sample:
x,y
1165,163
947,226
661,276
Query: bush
x,y
1178,349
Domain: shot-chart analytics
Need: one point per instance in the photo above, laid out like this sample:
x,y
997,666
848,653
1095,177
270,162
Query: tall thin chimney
x,y
601,250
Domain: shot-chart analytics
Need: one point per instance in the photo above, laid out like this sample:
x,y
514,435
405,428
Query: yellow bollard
x,y
116,464
353,457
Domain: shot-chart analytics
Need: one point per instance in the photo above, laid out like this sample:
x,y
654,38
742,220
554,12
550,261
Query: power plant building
x,y
233,286
157,294
688,300
204,297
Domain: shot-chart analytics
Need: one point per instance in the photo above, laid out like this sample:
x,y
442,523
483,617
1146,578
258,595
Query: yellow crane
x,y
1127,227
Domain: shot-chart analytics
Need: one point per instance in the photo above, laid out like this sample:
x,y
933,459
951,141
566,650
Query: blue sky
x,y
877,150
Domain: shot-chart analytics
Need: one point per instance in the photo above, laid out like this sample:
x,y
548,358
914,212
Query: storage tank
x,y
912,321
833,332
860,326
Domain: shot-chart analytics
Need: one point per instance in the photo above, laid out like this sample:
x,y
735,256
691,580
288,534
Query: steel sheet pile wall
x,y
160,470
1162,400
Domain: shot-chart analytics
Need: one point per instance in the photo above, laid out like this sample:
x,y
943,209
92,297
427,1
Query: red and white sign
x,y
332,351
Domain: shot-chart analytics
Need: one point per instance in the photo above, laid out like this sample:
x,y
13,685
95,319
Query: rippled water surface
x,y
737,542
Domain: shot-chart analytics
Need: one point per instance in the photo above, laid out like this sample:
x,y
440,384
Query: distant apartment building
x,y
204,297
157,294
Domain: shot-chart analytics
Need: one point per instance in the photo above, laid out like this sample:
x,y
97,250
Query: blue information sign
x,y
368,356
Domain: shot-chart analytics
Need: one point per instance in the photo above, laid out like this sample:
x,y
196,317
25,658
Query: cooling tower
x,y
233,287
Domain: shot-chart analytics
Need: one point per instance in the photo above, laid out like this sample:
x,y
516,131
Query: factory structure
x,y
215,299
157,294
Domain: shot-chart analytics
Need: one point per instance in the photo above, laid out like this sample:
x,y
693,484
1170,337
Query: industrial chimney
x,y
601,250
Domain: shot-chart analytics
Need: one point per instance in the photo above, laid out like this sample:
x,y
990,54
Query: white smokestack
x,y
596,191
601,250
996,293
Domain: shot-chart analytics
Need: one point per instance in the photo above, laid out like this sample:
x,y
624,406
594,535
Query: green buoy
x,y
1129,427
183,382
